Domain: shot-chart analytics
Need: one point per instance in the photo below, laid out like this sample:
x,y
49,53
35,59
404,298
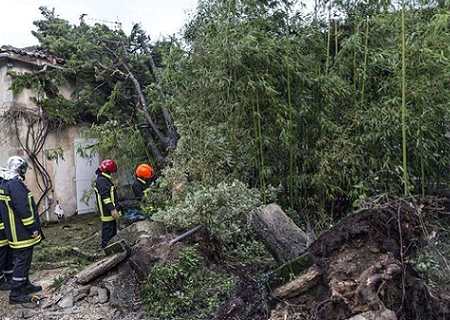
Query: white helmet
x,y
17,165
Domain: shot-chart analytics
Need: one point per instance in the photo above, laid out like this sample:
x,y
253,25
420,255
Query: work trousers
x,y
22,264
6,263
109,230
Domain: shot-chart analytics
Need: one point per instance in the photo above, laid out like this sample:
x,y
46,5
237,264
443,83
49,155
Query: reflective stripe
x,y
100,207
25,243
2,226
4,243
30,202
106,175
107,200
12,221
19,279
28,221
142,181
1,277
111,193
8,271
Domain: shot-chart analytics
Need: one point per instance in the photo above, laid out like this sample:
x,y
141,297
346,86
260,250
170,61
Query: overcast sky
x,y
158,17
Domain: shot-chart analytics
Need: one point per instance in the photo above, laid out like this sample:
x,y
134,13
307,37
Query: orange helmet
x,y
145,171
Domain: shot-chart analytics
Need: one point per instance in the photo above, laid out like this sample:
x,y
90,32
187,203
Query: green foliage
x,y
225,210
184,288
253,101
121,142
263,94
58,281
55,154
431,260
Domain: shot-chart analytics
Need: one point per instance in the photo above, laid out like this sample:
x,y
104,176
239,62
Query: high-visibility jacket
x,y
140,185
106,196
19,214
3,238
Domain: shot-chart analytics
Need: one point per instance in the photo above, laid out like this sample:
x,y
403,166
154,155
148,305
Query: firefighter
x,y
145,176
22,227
6,258
107,200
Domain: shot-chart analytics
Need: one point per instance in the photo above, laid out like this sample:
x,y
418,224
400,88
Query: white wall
x,y
61,171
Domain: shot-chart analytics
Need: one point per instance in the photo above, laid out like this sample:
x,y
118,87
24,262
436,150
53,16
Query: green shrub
x,y
183,289
224,209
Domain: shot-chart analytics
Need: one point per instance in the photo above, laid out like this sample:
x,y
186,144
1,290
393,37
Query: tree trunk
x,y
93,272
173,136
279,233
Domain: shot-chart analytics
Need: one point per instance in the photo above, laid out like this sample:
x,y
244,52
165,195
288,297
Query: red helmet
x,y
108,165
145,171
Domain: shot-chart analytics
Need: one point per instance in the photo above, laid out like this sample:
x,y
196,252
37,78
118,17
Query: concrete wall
x,y
62,171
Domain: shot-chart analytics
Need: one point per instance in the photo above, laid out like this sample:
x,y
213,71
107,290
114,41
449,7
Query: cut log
x,y
96,270
301,284
281,236
117,247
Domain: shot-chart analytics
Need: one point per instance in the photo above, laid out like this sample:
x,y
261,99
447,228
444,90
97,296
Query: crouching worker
x,y
6,258
145,176
22,228
106,196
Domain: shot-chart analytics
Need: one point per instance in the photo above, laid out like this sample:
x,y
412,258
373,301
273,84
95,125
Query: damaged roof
x,y
33,55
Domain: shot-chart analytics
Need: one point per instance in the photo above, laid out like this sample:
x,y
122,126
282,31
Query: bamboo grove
x,y
320,107
347,102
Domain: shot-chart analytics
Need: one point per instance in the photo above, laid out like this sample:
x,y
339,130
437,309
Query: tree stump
x,y
281,236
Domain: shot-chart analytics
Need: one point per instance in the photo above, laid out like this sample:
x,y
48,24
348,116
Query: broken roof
x,y
33,55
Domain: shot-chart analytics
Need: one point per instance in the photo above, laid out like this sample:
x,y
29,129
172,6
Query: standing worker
x,y
145,175
22,227
107,200
6,258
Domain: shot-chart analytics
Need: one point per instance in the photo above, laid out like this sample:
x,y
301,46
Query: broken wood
x,y
96,270
281,236
300,284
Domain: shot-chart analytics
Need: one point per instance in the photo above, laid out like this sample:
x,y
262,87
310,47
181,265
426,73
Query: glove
x,y
116,215
34,234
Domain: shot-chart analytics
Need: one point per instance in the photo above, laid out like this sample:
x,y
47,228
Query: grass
x,y
56,250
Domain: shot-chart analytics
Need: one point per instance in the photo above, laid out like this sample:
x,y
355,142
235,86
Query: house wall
x,y
61,171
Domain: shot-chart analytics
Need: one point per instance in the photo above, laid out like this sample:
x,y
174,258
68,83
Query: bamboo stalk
x,y
405,167
336,43
354,67
328,43
261,172
366,53
291,147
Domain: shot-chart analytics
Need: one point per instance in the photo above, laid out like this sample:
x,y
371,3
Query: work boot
x,y
29,288
5,285
17,296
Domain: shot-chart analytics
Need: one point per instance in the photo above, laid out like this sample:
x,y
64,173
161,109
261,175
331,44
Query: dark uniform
x,y
140,185
6,258
106,195
20,219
